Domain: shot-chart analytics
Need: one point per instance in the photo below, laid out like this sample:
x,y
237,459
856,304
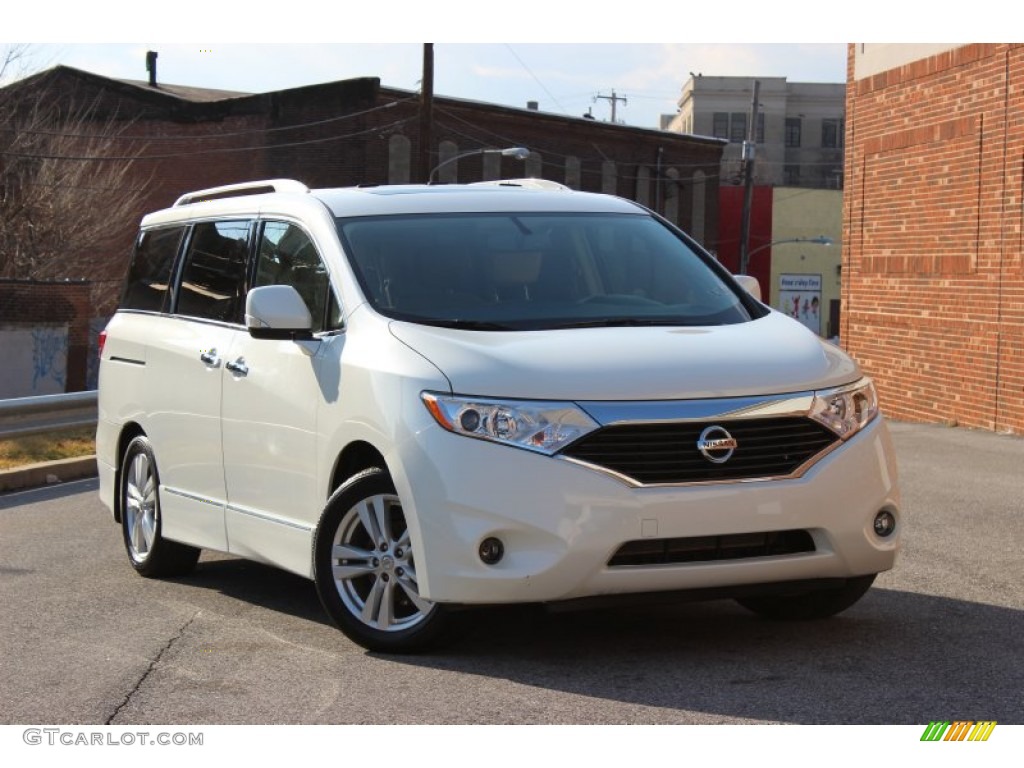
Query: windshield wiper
x,y
466,325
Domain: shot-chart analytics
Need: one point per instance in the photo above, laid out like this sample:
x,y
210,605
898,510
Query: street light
x,y
819,240
520,153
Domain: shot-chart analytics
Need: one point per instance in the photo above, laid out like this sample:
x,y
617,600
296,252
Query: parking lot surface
x,y
84,640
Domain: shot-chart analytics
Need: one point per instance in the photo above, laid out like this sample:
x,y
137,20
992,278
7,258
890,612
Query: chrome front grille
x,y
668,453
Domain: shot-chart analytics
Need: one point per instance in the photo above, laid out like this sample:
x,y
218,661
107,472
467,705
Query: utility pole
x,y
614,101
426,113
748,180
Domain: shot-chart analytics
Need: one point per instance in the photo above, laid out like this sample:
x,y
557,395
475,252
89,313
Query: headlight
x,y
544,427
846,410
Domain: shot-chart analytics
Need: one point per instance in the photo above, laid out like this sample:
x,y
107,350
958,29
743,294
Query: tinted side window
x,y
213,278
287,256
149,276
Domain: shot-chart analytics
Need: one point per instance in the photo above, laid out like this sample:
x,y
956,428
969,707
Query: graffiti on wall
x,y
50,356
35,360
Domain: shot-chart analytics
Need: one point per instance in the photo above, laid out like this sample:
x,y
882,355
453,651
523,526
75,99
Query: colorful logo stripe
x,y
959,730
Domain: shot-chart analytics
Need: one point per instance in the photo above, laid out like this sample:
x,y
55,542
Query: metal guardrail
x,y
21,416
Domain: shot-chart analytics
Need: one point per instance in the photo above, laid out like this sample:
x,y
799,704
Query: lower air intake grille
x,y
667,453
699,549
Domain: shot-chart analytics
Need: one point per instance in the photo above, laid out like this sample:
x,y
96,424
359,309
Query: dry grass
x,y
19,451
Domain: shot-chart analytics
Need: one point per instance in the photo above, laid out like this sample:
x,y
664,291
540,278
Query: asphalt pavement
x,y
84,640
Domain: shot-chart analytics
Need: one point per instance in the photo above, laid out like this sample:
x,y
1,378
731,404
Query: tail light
x,y
101,340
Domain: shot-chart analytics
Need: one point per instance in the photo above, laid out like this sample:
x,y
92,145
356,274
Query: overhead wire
x,y
540,148
545,150
212,150
230,134
590,171
536,79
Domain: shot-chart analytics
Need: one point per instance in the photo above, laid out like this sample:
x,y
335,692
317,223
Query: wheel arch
x,y
129,432
353,459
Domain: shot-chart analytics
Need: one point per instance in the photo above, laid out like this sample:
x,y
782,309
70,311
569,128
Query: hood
x,y
771,355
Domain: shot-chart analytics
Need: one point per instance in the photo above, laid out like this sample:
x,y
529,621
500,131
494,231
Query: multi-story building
x,y
799,133
798,178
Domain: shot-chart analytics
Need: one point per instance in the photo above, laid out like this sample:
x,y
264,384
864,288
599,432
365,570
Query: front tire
x,y
150,554
817,604
364,570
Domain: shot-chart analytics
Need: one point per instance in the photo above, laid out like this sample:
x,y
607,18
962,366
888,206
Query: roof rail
x,y
523,183
240,190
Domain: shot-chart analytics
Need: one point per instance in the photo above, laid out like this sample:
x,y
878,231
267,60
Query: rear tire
x,y
816,604
364,569
150,554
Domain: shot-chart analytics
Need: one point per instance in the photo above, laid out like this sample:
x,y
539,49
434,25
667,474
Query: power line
x,y
536,79
232,134
212,151
546,151
620,175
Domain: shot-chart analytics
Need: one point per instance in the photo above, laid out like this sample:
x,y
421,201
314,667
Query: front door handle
x,y
238,367
210,358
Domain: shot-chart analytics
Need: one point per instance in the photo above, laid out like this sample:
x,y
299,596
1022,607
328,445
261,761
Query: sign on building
x,y
800,298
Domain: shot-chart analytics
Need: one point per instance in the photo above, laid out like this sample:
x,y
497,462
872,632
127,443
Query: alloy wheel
x,y
373,568
140,507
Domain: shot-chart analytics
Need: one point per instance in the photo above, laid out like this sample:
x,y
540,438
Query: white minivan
x,y
429,398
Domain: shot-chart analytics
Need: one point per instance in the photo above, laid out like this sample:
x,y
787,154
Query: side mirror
x,y
277,312
750,285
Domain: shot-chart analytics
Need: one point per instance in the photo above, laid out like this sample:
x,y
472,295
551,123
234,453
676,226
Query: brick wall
x,y
933,280
29,303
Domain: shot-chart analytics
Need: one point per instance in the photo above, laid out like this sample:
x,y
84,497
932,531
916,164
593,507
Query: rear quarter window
x,y
148,284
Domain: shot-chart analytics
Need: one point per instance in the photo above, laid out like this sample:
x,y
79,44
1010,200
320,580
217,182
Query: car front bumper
x,y
560,522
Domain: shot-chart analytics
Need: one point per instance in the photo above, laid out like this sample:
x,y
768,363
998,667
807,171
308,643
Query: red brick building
x,y
933,277
358,132
54,312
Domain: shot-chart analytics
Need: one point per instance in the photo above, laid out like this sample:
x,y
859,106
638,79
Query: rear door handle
x,y
210,358
238,367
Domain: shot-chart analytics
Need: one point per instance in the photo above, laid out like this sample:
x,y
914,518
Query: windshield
x,y
530,271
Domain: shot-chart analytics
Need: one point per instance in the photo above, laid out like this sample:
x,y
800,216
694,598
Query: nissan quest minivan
x,y
429,398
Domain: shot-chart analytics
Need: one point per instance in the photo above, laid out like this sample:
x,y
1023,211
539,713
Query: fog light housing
x,y
885,524
491,550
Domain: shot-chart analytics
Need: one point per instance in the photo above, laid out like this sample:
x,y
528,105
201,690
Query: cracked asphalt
x,y
84,640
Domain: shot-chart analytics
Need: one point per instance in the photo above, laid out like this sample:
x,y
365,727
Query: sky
x,y
561,54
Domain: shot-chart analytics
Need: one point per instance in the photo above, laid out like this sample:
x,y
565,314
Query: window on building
x,y
793,125
791,175
738,127
733,126
720,125
832,130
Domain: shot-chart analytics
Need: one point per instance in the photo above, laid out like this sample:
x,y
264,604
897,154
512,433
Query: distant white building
x,y
800,127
